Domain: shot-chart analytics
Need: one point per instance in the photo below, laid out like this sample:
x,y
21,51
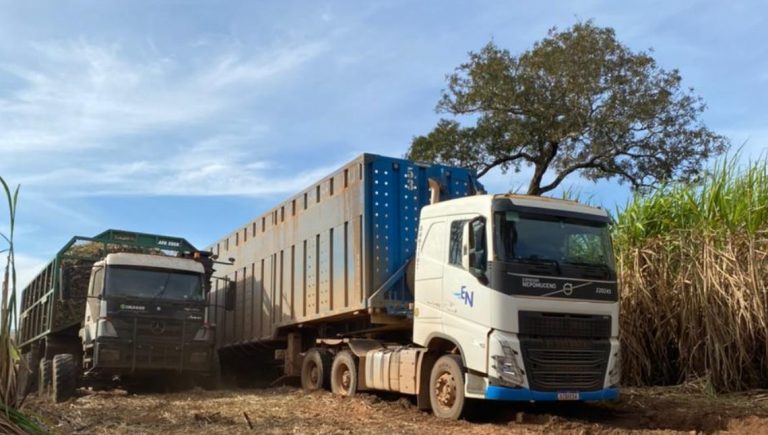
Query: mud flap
x,y
425,368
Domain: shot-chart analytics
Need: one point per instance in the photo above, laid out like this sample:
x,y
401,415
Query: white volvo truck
x,y
379,285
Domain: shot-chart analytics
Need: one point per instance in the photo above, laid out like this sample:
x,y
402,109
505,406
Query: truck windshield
x,y
552,240
153,284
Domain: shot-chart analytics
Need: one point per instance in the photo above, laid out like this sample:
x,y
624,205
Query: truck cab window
x,y
98,281
478,246
457,236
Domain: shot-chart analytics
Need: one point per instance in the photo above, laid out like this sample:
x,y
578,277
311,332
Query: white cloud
x,y
76,94
218,166
64,129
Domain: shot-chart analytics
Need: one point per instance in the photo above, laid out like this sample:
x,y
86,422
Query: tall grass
x,y
693,261
11,420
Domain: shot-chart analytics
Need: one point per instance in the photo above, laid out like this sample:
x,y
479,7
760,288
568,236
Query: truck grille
x,y
155,329
158,356
565,364
540,324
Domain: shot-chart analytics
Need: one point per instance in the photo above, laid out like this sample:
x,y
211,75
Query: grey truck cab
x,y
145,313
120,308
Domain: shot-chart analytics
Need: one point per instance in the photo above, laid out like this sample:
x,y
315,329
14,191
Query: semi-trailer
x,y
406,277
119,307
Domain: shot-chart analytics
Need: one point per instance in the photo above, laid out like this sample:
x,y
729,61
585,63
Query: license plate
x,y
568,395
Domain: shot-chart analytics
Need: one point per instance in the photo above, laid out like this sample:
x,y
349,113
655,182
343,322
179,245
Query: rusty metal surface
x,y
323,252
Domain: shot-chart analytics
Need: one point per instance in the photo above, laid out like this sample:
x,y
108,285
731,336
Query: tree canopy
x,y
579,101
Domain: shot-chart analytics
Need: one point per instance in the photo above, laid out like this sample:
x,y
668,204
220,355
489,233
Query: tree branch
x,y
502,160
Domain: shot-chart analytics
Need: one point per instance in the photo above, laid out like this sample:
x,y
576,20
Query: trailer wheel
x,y
44,379
446,387
64,377
315,370
27,374
344,374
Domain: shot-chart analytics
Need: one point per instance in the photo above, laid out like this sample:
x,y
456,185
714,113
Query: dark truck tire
x,y
211,380
344,374
45,374
27,374
446,388
64,377
316,370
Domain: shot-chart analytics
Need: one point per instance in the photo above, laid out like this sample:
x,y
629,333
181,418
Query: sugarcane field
x,y
383,217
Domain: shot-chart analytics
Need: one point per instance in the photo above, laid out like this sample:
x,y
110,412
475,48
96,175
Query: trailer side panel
x,y
331,251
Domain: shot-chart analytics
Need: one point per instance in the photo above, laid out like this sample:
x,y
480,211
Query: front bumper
x,y
117,356
494,392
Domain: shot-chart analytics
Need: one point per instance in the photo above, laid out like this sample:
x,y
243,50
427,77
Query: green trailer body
x,y
55,299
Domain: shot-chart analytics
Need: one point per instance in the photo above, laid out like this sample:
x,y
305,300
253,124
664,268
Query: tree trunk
x,y
534,188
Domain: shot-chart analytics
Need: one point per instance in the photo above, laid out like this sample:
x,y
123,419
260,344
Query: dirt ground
x,y
291,410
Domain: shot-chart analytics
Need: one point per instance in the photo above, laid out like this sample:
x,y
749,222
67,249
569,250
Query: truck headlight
x,y
614,375
105,328
506,366
203,334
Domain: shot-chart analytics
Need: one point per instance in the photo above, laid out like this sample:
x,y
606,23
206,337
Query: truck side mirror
x,y
478,250
229,296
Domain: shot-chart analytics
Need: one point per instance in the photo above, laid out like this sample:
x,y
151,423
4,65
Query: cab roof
x,y
553,204
486,202
154,261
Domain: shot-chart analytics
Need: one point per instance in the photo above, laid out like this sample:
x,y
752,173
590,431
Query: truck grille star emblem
x,y
158,327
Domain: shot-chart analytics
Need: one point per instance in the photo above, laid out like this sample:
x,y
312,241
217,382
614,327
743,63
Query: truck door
x,y
429,275
94,304
465,297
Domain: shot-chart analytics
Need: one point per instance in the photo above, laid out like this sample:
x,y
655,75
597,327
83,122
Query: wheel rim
x,y
344,379
445,390
314,374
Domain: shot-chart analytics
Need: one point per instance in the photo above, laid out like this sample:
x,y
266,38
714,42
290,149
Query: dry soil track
x,y
290,410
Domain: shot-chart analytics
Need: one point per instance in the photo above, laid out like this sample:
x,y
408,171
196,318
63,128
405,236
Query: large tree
x,y
580,102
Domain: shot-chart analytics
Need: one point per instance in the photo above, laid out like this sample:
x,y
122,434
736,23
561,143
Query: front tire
x,y
64,377
446,388
344,374
316,370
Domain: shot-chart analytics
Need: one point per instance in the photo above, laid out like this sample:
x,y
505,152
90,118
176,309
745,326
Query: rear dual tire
x,y
316,370
26,380
344,374
64,379
45,374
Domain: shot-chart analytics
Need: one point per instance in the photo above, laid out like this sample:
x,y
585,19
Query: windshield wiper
x,y
537,260
602,267
584,263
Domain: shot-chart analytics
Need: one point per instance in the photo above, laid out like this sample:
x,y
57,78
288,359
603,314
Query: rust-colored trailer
x,y
331,260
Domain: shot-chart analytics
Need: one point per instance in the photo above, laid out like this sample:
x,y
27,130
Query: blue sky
x,y
190,118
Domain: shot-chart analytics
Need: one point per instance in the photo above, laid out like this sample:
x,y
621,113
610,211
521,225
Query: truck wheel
x,y
44,379
212,379
344,374
27,374
446,387
64,377
315,370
